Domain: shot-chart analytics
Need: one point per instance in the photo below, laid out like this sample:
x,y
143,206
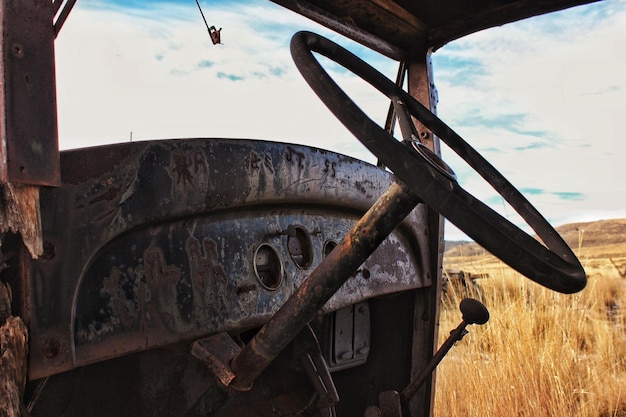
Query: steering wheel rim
x,y
554,265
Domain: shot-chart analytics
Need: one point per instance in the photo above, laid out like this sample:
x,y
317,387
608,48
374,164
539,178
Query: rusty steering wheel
x,y
554,265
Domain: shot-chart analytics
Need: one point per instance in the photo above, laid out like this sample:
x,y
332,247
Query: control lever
x,y
474,312
316,369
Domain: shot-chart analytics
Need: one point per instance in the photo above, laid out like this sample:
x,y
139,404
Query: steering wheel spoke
x,y
554,265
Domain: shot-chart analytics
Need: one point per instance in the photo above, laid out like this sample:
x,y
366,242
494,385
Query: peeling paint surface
x,y
168,283
163,237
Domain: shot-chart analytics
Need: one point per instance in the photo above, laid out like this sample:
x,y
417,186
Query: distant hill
x,y
587,234
451,245
598,233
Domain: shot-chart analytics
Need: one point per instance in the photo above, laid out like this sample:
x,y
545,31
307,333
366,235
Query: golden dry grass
x,y
541,353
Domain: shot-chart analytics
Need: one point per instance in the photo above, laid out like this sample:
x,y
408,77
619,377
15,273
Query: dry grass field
x,y
541,353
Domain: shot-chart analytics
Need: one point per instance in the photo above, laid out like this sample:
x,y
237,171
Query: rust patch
x,y
181,169
363,187
295,157
108,195
187,168
208,278
157,294
119,303
258,161
330,168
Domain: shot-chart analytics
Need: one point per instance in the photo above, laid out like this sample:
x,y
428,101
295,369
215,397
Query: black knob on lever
x,y
474,312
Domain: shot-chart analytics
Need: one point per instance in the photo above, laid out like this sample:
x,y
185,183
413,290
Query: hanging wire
x,y
213,33
203,18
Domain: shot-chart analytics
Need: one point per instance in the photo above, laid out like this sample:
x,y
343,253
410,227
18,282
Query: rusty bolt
x,y
18,51
51,348
49,251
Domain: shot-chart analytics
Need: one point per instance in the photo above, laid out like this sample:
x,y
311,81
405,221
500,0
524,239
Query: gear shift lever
x,y
474,312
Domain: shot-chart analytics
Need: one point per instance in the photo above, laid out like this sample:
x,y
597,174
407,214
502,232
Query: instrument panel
x,y
166,242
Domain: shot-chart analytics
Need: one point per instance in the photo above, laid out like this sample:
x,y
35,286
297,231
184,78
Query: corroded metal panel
x,y
151,243
186,279
396,28
28,122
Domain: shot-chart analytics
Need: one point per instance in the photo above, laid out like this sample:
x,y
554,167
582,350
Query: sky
x,y
540,99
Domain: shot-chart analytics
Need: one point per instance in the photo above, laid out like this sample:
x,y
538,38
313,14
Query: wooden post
x,y
13,354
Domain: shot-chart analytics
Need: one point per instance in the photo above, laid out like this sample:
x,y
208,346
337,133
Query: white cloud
x,y
158,76
155,73
563,75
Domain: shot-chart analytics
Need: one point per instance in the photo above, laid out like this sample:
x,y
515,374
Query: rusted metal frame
x,y
369,232
496,16
28,114
346,28
385,18
421,86
29,152
61,17
398,12
391,113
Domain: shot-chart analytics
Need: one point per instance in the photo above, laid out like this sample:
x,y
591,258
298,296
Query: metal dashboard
x,y
154,243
